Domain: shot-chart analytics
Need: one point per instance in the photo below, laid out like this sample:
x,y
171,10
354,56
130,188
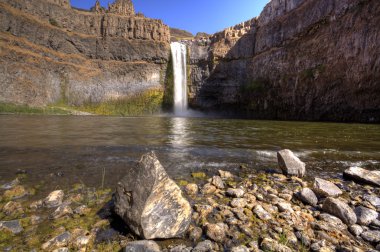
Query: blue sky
x,y
193,15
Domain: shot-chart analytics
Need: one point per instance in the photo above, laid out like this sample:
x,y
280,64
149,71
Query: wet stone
x,y
16,192
142,246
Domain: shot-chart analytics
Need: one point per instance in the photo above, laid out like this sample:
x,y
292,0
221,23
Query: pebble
x,y
143,245
324,188
218,182
61,240
13,226
236,193
356,230
307,196
371,236
216,232
191,189
365,215
54,199
261,213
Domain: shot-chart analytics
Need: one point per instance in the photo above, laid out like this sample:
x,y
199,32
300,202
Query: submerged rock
x,y
290,164
324,188
307,196
54,199
340,209
365,215
142,246
362,175
150,203
13,226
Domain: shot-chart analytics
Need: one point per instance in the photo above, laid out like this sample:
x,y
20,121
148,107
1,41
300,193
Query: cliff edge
x,y
53,54
299,60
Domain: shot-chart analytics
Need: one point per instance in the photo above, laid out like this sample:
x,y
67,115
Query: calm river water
x,y
62,150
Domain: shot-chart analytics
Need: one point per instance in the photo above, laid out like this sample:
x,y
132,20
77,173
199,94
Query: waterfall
x,y
180,77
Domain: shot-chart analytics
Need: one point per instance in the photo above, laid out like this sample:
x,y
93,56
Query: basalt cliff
x,y
51,53
299,60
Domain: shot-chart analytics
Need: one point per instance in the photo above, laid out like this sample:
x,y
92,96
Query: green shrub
x,y
53,22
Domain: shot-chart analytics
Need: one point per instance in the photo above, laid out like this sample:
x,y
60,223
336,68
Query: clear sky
x,y
193,15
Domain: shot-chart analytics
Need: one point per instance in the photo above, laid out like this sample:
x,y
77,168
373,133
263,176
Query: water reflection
x,y
179,132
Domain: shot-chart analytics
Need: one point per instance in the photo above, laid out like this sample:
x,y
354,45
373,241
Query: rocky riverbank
x,y
246,211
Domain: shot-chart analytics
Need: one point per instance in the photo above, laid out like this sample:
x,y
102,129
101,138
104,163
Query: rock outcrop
x,y
54,54
150,203
300,60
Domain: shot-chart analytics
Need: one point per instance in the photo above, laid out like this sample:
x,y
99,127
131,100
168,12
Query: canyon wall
x,y
299,60
51,53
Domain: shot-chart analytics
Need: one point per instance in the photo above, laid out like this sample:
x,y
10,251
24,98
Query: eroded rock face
x,y
290,164
293,61
150,203
363,175
78,57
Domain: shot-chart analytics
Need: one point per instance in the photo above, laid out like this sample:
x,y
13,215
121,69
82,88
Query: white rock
x,y
290,164
54,199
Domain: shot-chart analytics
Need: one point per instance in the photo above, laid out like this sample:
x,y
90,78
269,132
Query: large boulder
x,y
363,176
290,164
339,209
150,203
324,188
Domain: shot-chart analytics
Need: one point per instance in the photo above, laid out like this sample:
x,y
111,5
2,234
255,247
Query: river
x,y
59,151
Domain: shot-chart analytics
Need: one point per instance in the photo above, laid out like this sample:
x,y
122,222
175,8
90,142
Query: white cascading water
x,y
180,77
